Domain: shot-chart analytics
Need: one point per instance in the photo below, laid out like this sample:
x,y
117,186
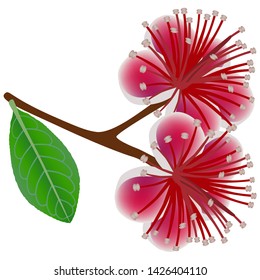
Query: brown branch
x,y
106,138
118,129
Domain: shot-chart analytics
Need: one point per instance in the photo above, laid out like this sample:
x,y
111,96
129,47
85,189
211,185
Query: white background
x,y
63,57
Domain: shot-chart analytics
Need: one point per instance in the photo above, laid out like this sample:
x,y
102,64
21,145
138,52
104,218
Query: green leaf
x,y
43,168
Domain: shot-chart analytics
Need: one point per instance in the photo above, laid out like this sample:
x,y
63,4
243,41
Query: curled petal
x,y
144,75
170,232
179,136
140,198
238,107
197,109
168,35
222,158
214,101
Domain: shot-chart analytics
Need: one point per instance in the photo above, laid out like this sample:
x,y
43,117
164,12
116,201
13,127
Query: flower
x,y
185,197
191,70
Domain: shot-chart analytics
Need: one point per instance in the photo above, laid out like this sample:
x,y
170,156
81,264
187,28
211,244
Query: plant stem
x,y
106,138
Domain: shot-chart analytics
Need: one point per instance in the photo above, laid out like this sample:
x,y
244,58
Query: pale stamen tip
x,y
207,17
221,174
167,139
250,164
185,135
247,77
238,43
205,242
248,188
197,122
211,133
197,239
189,19
155,233
134,215
176,11
146,43
223,76
145,24
232,116
136,187
213,56
244,46
199,11
229,224
230,89
224,240
238,149
145,236
250,204
174,30
210,202
251,69
157,113
142,86
246,84
252,179
223,18
176,248
226,230
193,216
132,54
251,99
215,13
167,19
212,239
243,224
189,239
188,41
146,101
182,226
231,128
144,158
184,11
155,27
242,172
229,158
250,62
228,139
143,69
247,157
253,195
154,145
253,50
167,240
242,29
143,172
242,107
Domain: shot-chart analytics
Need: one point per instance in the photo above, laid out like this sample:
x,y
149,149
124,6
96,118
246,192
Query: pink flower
x,y
185,197
191,70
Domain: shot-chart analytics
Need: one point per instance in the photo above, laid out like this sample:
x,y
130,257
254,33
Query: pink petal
x,y
168,38
150,195
198,110
178,138
176,238
238,108
221,156
181,48
210,105
143,75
